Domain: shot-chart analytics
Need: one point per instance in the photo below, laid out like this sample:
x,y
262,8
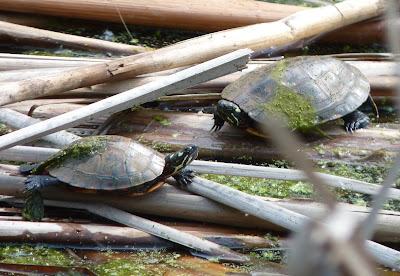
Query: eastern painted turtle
x,y
110,164
302,91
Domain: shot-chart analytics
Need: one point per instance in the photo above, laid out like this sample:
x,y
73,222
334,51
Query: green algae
x,y
294,109
80,149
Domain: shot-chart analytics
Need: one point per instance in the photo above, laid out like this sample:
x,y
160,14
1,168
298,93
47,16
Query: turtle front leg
x,y
218,121
35,182
355,120
184,178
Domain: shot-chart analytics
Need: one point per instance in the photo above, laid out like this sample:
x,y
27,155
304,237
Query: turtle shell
x,y
332,88
106,163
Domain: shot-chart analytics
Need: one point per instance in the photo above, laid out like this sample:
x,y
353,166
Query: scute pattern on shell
x,y
122,163
334,87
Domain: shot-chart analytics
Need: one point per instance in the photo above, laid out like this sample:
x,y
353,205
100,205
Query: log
x,y
210,15
302,24
171,202
18,34
92,235
212,69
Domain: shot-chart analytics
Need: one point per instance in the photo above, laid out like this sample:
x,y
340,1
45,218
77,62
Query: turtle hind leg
x,y
355,120
184,177
35,182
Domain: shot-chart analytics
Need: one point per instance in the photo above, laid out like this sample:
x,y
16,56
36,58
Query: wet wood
x,y
300,25
344,147
22,35
171,202
94,235
214,68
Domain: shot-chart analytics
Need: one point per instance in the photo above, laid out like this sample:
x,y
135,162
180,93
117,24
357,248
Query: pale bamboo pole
x,y
217,67
19,120
302,24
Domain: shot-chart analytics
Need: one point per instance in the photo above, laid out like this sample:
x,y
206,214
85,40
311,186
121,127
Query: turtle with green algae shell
x,y
106,164
302,91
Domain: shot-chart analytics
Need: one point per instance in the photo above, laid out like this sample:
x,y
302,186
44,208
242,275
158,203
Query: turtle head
x,y
175,162
231,113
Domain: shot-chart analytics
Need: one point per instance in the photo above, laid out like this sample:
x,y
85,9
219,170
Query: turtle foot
x,y
218,122
355,120
184,178
35,182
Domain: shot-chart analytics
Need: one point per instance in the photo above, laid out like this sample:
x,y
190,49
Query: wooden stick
x,y
302,24
25,35
19,120
156,229
210,15
149,92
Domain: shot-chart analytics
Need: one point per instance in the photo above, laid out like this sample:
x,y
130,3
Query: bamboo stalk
x,y
26,35
19,61
196,15
302,24
212,69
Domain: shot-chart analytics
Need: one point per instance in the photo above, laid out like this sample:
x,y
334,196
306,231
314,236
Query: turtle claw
x,y
355,120
184,178
218,122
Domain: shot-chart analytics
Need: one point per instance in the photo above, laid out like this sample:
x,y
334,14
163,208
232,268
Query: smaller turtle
x,y
107,164
302,91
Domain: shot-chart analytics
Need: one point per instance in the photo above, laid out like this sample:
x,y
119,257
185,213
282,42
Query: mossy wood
x,y
244,147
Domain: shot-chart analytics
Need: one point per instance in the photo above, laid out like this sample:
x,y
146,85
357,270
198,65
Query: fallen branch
x,y
302,24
